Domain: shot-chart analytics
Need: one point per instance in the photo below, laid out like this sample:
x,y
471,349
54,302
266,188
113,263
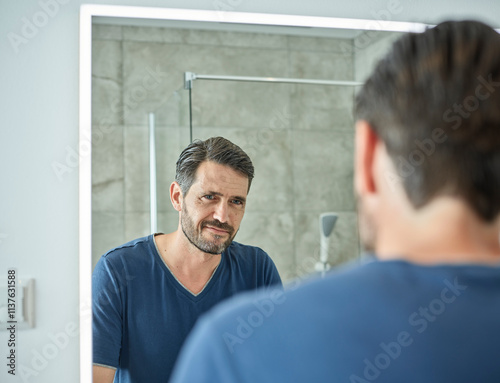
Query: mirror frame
x,y
87,12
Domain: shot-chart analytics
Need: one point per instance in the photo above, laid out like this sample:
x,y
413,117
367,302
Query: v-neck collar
x,y
184,288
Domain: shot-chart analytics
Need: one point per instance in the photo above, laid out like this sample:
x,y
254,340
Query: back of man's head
x,y
435,102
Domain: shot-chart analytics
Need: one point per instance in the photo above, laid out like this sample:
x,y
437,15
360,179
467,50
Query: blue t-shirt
x,y
142,314
384,321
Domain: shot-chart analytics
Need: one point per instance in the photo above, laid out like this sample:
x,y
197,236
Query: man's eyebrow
x,y
214,193
240,198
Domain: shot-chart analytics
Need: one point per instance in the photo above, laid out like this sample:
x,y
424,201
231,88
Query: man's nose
x,y
221,212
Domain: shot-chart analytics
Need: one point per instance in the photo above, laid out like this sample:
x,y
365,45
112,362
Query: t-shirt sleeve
x,y
271,275
107,314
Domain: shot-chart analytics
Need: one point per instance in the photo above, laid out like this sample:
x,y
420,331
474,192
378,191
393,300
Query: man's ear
x,y
176,196
364,159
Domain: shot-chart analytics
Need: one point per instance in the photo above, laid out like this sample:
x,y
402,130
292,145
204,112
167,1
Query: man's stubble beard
x,y
196,238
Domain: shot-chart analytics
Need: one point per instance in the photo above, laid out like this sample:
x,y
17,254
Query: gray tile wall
x,y
300,137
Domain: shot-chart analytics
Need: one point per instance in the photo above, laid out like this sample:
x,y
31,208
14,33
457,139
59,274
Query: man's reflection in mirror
x,y
148,293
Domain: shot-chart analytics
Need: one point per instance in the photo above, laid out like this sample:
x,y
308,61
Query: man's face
x,y
213,207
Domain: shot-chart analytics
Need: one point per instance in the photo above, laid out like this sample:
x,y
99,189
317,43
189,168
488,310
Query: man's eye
x,y
209,197
237,202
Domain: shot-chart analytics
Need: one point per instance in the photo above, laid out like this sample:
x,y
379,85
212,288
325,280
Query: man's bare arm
x,y
102,374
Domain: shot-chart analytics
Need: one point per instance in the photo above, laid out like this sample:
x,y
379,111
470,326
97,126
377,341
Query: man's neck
x,y
191,266
446,231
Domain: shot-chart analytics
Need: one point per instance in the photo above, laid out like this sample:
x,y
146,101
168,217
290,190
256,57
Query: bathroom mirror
x,y
133,102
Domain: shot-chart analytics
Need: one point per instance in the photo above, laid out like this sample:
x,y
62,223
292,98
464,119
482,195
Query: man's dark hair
x,y
216,149
434,100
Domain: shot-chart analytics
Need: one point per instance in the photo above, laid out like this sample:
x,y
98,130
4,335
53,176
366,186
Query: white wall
x,y
39,122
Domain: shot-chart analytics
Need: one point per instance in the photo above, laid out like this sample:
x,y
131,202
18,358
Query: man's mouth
x,y
217,230
218,227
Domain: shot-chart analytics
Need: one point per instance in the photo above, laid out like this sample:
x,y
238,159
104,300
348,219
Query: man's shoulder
x,y
394,282
355,277
394,285
128,250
